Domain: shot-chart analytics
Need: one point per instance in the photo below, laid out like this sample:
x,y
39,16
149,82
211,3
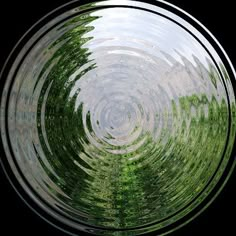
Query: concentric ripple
x,y
121,118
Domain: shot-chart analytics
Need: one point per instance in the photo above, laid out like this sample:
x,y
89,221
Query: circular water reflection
x,y
120,116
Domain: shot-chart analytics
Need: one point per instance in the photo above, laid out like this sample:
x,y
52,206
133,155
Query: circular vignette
x,y
208,36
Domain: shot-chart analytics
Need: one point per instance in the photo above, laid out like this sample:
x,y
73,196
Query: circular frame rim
x,y
7,169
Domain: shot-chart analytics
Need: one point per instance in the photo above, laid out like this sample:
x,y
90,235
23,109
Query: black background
x,y
16,17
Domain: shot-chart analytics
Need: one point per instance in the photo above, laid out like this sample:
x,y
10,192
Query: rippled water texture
x,y
119,118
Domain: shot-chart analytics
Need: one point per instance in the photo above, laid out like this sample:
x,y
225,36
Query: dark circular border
x,y
9,63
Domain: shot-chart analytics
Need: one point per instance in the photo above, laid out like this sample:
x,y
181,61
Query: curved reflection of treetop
x,y
181,112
